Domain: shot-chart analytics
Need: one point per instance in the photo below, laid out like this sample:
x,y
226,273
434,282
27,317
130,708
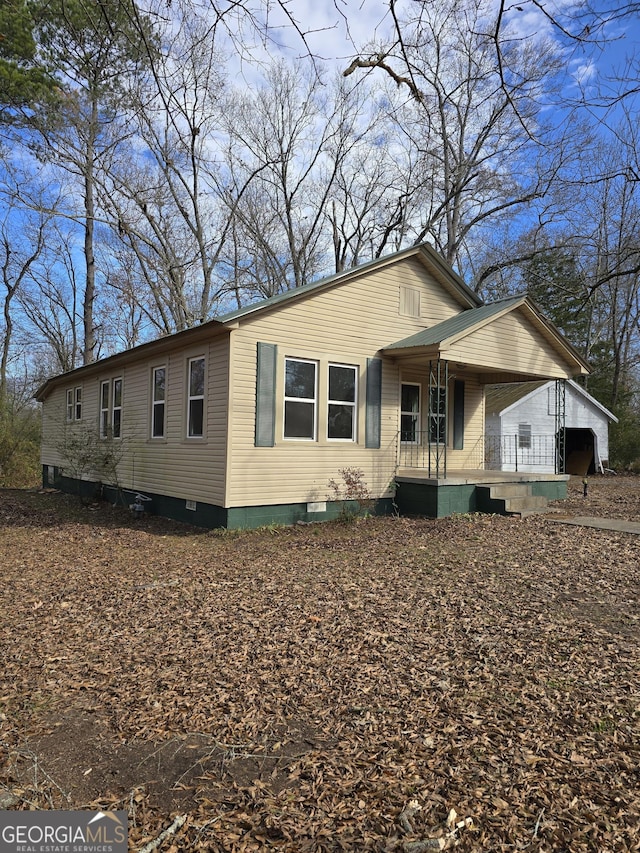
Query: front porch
x,y
445,461
463,490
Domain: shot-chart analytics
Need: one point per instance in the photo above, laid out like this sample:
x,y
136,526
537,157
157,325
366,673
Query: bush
x,y
19,448
624,442
352,493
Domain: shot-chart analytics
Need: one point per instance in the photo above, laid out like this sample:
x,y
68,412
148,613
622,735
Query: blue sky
x,y
338,29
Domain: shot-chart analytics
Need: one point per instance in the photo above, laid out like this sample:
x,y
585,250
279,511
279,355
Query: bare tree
x,y
91,48
486,150
52,304
302,138
171,203
22,242
583,30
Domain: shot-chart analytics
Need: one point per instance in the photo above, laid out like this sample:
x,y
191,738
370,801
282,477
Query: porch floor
x,y
468,477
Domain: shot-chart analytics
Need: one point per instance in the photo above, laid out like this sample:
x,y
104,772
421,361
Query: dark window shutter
x,y
374,402
266,395
458,415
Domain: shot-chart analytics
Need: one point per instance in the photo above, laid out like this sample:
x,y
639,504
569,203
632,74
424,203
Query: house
x,y
529,427
243,421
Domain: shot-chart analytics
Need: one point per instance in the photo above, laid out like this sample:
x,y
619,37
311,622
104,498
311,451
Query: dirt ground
x,y
390,685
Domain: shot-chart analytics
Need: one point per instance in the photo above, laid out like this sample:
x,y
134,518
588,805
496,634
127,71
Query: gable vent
x,y
409,301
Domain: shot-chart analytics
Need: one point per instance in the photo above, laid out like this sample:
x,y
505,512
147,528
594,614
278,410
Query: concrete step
x,y
509,490
528,502
510,499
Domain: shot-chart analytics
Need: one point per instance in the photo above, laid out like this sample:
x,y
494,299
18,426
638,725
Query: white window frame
x,y
352,405
417,415
116,409
109,411
74,403
195,397
156,404
313,401
105,401
524,437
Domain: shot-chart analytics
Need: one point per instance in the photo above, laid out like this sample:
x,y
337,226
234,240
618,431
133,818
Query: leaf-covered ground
x,y
327,687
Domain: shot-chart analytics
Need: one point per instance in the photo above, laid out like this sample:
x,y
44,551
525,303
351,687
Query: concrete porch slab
x,y
474,477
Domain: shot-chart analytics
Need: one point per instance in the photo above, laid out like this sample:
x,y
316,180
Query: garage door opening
x,y
581,452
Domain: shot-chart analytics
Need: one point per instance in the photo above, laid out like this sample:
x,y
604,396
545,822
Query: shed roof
x,y
500,398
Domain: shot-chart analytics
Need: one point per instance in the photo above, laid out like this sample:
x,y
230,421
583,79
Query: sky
x,y
337,30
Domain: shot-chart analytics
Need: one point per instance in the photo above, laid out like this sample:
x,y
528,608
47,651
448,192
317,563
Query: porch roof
x,y
510,336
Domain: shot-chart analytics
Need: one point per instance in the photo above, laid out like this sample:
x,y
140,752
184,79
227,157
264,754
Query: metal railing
x,y
491,452
417,450
516,453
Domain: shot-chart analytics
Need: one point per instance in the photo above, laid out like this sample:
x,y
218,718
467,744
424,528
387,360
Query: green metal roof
x,y
455,326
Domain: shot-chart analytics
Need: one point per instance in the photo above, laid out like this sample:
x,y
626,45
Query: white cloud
x,y
334,29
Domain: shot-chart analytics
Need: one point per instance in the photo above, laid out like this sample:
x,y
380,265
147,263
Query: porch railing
x,y
417,450
518,453
490,452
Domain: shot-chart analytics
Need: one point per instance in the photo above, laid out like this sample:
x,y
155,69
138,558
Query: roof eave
x,y
193,334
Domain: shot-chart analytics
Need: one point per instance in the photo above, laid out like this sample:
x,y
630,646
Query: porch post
x,y
437,419
561,391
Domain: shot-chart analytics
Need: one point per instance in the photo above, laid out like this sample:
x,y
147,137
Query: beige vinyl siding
x,y
361,316
345,325
55,425
472,454
192,469
299,470
509,343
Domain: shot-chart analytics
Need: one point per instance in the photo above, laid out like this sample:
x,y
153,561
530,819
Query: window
x,y
116,413
438,415
524,436
341,413
111,408
74,404
300,394
410,413
159,392
195,406
104,409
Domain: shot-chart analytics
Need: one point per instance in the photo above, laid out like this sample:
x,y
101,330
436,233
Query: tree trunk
x,y
88,353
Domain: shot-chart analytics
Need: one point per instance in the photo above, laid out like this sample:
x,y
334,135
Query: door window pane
x,y
410,413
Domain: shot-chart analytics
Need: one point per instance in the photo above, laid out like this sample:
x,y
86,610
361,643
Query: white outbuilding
x,y
528,428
